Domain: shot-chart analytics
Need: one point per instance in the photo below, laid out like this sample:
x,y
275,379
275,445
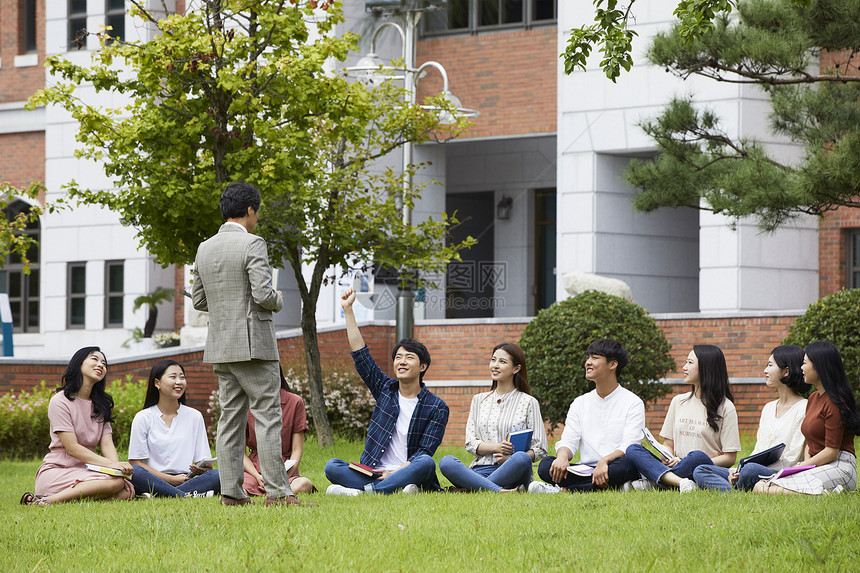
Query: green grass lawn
x,y
608,531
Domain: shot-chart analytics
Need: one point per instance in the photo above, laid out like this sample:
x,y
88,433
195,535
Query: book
x,y
580,470
521,439
785,472
106,470
365,470
763,458
661,449
203,461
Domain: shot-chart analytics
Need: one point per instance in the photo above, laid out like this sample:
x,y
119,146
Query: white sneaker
x,y
543,487
335,489
838,489
411,489
145,495
643,484
687,485
210,493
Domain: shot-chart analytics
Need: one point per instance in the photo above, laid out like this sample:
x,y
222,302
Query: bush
x,y
25,431
555,342
348,402
836,319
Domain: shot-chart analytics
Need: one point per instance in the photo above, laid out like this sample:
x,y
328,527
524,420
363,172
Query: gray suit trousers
x,y
253,383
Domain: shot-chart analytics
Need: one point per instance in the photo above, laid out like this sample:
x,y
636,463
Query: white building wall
x,y
657,253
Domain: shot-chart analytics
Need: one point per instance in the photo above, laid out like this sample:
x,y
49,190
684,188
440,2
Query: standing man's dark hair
x,y
237,197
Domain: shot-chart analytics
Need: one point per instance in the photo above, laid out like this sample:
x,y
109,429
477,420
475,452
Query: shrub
x,y
835,319
25,431
555,342
348,402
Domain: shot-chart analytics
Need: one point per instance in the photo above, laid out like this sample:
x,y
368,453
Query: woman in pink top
x,y
80,416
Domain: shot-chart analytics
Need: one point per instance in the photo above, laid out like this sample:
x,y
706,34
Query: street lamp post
x,y
370,67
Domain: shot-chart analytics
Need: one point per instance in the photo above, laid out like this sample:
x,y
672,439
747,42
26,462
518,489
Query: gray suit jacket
x,y
233,281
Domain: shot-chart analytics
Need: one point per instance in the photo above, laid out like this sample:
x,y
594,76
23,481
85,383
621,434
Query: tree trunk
x,y
312,359
149,327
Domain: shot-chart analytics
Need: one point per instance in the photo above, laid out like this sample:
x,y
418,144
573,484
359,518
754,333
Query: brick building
x,y
537,179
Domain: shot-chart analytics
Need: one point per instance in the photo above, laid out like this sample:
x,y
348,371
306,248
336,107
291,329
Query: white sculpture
x,y
576,283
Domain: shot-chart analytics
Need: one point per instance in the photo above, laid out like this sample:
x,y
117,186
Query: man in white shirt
x,y
600,424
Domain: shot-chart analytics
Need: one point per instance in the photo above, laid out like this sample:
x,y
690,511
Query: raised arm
x,y
353,334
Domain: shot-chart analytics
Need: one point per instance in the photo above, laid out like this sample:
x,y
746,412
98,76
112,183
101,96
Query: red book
x,y
365,470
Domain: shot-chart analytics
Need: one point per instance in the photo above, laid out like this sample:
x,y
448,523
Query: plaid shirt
x,y
426,429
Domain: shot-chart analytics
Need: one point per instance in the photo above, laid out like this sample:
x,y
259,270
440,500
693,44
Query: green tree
x,y
236,90
835,319
13,223
152,300
555,342
776,45
612,35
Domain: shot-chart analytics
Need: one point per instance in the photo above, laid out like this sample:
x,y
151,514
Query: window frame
x,y
27,282
473,16
117,33
110,294
73,17
852,253
27,30
73,296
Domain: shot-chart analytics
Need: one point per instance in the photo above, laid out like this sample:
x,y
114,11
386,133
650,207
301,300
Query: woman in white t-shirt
x,y
700,427
168,437
780,424
507,407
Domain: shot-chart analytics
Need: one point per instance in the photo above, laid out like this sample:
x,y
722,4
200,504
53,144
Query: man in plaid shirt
x,y
407,424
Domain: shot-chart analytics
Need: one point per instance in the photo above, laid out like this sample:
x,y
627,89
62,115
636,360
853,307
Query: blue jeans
x,y
420,471
515,471
146,482
620,470
715,477
652,468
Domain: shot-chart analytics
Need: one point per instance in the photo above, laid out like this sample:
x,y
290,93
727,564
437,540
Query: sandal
x,y
37,500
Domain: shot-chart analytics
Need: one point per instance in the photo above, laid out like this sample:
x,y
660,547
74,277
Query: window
x,y
545,248
115,10
77,23
854,258
77,295
23,289
476,15
114,279
27,33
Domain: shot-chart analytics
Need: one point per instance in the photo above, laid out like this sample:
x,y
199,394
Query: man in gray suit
x,y
233,282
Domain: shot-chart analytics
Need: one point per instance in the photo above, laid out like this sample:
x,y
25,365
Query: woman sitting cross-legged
x,y
294,424
700,427
506,408
829,428
779,424
167,437
80,416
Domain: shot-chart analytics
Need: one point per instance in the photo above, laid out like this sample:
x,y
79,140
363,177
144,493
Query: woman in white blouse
x,y
779,424
507,407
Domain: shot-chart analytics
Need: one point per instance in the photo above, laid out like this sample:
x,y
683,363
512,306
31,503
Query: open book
x,y
785,472
205,461
661,449
521,439
106,470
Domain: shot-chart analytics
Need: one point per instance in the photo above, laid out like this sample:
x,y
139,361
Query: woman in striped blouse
x,y
507,407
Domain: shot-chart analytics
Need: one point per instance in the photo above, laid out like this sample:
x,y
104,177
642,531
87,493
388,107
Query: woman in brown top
x,y
829,428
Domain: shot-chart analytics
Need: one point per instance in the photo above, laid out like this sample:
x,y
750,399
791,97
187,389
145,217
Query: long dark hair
x,y
827,361
791,357
72,380
155,374
521,378
713,381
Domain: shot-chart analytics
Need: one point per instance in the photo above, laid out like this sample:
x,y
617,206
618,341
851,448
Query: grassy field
x,y
609,531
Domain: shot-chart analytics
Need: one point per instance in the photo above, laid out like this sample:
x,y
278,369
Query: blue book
x,y
521,439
